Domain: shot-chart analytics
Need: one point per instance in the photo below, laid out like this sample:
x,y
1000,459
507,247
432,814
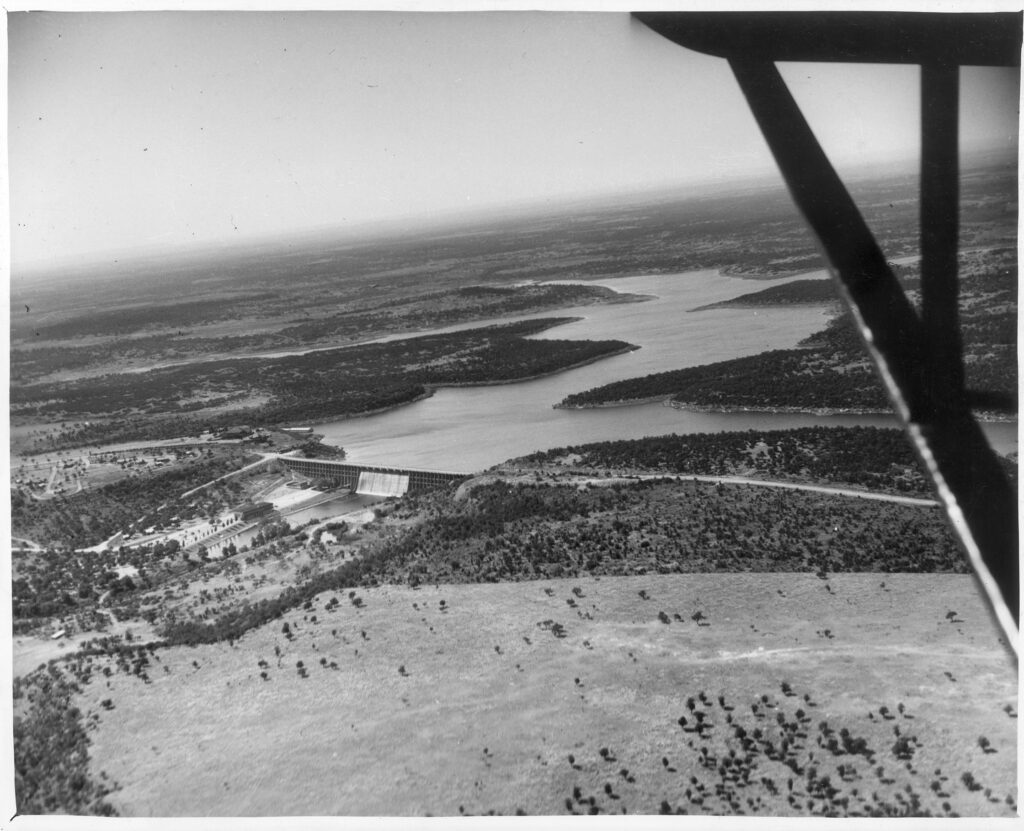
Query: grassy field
x,y
561,695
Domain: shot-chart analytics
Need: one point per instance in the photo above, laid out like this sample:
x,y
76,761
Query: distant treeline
x,y
124,320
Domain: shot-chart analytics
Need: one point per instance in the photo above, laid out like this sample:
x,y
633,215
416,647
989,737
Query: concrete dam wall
x,y
372,479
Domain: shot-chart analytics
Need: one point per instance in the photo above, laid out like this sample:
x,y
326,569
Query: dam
x,y
372,480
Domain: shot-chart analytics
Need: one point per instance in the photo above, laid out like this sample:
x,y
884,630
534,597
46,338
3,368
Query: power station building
x,y
249,511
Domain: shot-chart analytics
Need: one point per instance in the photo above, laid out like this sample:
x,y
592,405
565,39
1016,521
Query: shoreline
x,y
813,411
993,418
611,405
540,375
427,393
763,276
729,304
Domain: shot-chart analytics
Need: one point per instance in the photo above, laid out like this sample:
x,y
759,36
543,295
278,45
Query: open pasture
x,y
884,693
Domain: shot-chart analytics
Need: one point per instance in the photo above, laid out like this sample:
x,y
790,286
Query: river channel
x,y
467,429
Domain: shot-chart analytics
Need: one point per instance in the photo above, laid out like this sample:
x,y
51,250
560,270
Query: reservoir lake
x,y
468,429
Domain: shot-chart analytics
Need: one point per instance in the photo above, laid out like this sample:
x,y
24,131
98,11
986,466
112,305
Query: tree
x,y
903,748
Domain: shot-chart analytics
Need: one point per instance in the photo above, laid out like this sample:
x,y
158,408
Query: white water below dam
x,y
375,483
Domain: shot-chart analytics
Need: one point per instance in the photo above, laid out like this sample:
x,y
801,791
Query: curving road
x,y
796,486
771,483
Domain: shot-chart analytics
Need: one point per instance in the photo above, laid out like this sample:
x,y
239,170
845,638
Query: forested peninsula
x,y
357,380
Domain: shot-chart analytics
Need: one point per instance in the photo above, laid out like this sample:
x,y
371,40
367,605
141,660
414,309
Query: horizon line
x,y
400,225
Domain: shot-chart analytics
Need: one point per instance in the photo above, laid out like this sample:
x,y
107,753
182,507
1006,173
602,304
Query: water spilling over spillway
x,y
382,484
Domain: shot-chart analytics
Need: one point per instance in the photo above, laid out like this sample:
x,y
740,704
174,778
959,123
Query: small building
x,y
249,511
239,431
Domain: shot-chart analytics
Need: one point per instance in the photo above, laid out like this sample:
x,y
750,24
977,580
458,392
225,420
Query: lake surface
x,y
469,429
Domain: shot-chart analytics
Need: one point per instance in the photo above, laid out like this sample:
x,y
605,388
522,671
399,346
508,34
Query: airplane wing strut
x,y
919,358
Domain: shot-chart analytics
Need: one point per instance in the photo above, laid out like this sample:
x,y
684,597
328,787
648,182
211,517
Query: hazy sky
x,y
133,129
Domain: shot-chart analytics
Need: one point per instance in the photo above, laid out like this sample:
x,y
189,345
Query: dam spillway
x,y
375,483
373,480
